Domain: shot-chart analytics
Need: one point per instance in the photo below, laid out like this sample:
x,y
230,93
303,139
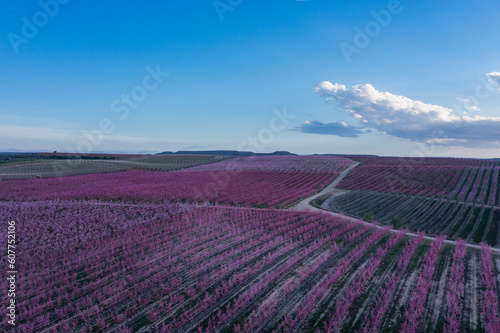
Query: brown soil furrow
x,y
277,285
476,225
363,304
472,290
446,225
275,293
337,292
465,222
488,226
402,293
278,261
293,300
239,288
182,274
496,265
436,300
329,297
293,274
376,284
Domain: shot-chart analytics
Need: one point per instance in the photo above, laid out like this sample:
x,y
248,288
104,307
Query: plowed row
x,y
206,269
71,167
454,220
467,184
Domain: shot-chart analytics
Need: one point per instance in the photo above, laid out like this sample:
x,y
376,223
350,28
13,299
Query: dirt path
x,y
332,189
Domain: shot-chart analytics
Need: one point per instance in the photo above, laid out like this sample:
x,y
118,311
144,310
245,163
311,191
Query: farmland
x,y
224,247
453,198
271,187
44,168
458,220
461,180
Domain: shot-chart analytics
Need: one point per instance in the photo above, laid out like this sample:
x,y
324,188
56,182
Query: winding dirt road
x,y
333,191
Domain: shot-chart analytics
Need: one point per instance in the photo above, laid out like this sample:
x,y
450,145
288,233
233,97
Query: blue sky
x,y
234,66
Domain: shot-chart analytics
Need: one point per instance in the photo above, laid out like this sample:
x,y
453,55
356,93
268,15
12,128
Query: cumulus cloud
x,y
339,129
410,119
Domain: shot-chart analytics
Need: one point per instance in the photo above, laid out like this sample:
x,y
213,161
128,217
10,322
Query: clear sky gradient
x,y
253,75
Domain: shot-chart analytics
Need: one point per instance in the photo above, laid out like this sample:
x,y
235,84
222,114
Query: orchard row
x,y
467,184
247,188
473,222
205,269
44,168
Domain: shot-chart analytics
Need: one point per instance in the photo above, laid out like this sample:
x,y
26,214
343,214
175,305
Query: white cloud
x,y
494,77
468,105
410,119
